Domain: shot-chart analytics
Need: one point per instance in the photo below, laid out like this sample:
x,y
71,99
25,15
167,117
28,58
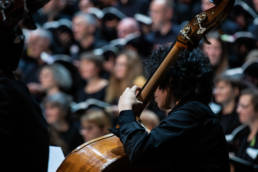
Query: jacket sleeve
x,y
138,143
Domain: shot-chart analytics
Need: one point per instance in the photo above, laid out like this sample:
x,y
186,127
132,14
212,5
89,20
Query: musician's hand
x,y
128,98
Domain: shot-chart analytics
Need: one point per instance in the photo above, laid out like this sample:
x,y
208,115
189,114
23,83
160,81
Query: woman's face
x,y
163,99
90,130
120,70
88,69
46,78
52,113
224,92
213,51
246,110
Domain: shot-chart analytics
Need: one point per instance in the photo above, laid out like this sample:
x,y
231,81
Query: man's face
x,y
80,28
157,13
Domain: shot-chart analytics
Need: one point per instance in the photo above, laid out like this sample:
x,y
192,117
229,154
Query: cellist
x,y
190,138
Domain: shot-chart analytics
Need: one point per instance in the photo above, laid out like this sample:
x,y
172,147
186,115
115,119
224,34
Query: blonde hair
x,y
98,117
134,69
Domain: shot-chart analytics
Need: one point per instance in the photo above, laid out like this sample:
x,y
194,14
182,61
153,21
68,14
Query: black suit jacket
x,y
189,139
23,130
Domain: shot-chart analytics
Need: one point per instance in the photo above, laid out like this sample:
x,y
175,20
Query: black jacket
x,y
24,137
189,139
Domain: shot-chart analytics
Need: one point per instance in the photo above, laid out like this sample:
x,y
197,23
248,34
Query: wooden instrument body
x,y
104,154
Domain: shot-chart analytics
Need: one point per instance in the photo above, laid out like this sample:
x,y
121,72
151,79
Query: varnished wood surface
x,y
94,156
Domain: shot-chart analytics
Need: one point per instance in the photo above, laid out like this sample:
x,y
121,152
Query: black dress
x,y
240,145
23,130
189,139
99,95
229,121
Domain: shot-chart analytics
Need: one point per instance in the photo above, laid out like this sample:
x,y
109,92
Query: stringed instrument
x,y
107,153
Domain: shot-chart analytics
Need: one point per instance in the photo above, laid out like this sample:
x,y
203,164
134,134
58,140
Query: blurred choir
x,y
86,50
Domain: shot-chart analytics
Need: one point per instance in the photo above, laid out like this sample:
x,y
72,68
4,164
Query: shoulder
x,y
103,83
237,133
194,109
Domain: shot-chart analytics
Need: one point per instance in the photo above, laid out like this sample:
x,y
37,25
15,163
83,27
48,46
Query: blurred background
x,y
86,52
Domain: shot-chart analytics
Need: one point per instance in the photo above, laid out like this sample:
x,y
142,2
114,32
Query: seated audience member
x,y
62,36
127,26
55,79
244,43
84,31
109,54
131,7
94,123
63,131
38,41
109,23
53,10
244,138
163,29
128,69
216,53
85,5
226,93
90,69
129,29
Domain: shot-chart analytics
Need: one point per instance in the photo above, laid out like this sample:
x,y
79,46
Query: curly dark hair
x,y
189,78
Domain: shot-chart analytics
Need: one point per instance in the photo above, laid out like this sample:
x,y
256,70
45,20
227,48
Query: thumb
x,y
135,88
138,101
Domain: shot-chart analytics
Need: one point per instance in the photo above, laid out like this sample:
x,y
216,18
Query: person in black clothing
x,y
163,29
226,94
245,140
130,8
63,128
24,137
90,69
84,29
190,137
